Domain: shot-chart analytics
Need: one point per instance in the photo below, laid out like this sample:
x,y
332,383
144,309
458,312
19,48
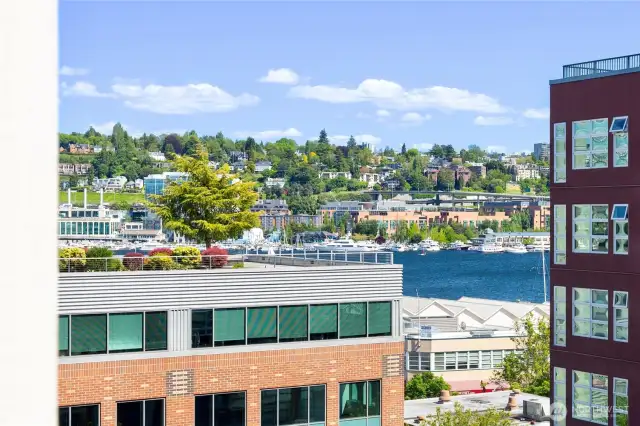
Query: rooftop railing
x,y
297,258
599,66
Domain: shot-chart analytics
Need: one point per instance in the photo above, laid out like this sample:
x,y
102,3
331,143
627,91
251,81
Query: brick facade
x,y
178,379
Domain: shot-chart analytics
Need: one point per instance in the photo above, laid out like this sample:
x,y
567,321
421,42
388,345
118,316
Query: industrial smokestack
x,y
69,195
85,198
101,196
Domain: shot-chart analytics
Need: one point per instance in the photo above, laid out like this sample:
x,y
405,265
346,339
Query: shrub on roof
x,y
165,251
214,257
72,259
159,262
187,256
133,261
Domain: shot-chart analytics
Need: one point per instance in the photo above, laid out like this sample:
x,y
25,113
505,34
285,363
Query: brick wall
x,y
178,379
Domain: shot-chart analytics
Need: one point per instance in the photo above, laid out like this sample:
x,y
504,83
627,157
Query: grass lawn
x,y
77,198
512,189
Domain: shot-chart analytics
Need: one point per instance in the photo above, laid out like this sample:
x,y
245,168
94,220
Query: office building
x,y
280,341
541,151
595,267
155,184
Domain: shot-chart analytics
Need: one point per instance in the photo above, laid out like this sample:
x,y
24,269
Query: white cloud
x,y
383,113
497,148
492,121
181,100
370,139
68,71
423,146
280,76
270,134
83,88
105,128
390,95
415,118
362,115
536,113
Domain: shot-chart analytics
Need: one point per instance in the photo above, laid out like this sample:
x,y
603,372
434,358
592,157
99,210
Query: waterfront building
x,y
89,222
463,340
155,184
281,341
595,193
539,211
541,151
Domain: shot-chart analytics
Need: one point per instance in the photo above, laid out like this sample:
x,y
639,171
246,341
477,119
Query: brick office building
x,y
595,266
305,344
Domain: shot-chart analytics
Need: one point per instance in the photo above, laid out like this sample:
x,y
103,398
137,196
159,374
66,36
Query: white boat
x,y
459,245
537,248
516,249
398,247
430,245
490,248
150,245
345,244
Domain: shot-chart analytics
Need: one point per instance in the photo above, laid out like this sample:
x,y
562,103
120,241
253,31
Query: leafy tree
x,y
367,227
174,141
206,207
529,369
446,180
323,137
302,205
351,143
425,385
466,417
403,150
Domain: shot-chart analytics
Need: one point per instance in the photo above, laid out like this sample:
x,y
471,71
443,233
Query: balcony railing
x,y
301,258
621,63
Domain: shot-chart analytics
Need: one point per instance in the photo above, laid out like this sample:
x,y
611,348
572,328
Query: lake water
x,y
453,274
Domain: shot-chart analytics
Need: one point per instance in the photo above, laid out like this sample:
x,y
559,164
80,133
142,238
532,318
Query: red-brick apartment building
x,y
277,342
595,264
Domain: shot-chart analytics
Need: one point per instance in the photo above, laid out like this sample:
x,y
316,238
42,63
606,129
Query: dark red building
x,y
595,266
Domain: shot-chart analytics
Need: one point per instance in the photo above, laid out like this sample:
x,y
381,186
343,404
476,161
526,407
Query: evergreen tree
x,y
323,137
403,150
352,142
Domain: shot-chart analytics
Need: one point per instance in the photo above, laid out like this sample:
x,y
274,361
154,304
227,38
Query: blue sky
x,y
388,73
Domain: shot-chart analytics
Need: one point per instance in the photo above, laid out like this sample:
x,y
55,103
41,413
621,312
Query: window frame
x,y
617,323
590,304
559,136
590,387
69,407
618,149
590,151
144,411
557,315
213,404
617,410
624,128
620,221
557,236
590,221
560,421
366,399
108,352
308,387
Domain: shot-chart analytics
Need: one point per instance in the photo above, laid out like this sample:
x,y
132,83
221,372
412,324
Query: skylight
x,y
620,212
619,124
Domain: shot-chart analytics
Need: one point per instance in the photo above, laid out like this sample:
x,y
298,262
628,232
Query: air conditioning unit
x,y
533,409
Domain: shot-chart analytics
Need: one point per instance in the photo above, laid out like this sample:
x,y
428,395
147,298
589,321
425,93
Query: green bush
x,y
425,385
238,265
98,259
72,259
191,255
159,262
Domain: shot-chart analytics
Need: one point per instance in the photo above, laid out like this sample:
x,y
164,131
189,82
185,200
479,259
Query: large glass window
x,y
225,409
155,331
229,326
620,402
353,319
419,361
620,142
293,322
560,152
591,144
63,335
149,412
125,332
323,322
293,406
559,395
591,313
202,328
360,400
560,234
590,397
590,228
621,310
88,334
379,319
262,325
80,415
560,316
620,218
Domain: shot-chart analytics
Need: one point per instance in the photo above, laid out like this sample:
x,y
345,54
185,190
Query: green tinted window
x,y
229,327
353,320
293,323
379,318
88,334
323,322
125,332
63,335
262,325
155,331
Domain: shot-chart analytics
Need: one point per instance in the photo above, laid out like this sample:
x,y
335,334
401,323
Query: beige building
x,y
463,340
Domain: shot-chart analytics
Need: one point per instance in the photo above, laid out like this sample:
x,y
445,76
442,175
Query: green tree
x,y
529,368
206,207
403,150
466,417
323,138
425,385
446,180
351,143
367,227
